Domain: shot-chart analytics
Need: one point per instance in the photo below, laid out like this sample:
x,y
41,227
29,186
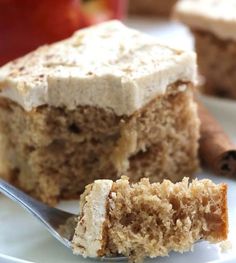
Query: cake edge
x,y
89,238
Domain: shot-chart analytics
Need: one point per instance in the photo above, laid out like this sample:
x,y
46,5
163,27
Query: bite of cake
x,y
149,220
213,24
107,101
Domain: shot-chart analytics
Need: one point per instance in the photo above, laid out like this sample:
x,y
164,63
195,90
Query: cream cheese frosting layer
x,y
216,16
88,238
108,66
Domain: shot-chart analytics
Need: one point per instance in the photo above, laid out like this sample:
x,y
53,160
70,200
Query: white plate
x,y
22,237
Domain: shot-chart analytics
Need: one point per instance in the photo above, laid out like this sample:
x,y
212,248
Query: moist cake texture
x,y
106,101
150,220
151,7
213,24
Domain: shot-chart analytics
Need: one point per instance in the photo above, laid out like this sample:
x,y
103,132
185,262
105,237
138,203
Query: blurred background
x,y
27,24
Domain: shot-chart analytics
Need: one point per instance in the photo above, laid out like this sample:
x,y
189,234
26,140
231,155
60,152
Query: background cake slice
x,y
106,101
213,24
149,220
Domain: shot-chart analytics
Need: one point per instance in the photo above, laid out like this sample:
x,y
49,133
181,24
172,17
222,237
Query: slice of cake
x,y
151,7
106,101
149,220
213,23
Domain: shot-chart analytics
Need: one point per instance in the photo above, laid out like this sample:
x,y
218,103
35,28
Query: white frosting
x,y
216,16
108,66
88,238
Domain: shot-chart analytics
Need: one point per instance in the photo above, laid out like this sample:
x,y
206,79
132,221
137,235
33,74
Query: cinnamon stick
x,y
217,151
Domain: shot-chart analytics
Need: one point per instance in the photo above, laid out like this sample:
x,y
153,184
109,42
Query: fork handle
x,y
46,214
18,196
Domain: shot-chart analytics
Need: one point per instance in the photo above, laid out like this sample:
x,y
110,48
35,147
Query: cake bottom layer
x,y
217,63
52,153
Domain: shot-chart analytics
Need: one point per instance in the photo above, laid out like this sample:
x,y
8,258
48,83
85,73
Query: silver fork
x,y
53,219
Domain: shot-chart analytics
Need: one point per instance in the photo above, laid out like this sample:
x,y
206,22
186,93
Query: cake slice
x,y
213,24
149,220
107,101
